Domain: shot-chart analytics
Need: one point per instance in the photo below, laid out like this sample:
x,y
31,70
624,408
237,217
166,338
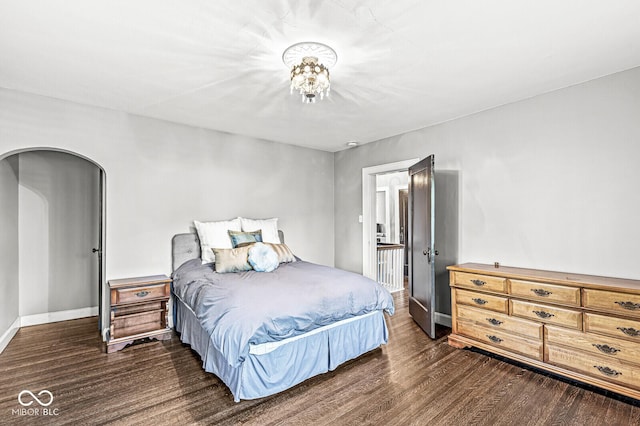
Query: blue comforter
x,y
239,309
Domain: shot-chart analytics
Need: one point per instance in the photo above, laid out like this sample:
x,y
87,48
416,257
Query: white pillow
x,y
269,228
215,235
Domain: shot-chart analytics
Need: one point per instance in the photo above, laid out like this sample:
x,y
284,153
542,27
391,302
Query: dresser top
x,y
564,278
131,282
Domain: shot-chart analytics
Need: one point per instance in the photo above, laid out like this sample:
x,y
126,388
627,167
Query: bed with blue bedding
x,y
264,332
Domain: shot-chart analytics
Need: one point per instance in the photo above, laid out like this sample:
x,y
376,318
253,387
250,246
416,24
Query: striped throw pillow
x,y
285,255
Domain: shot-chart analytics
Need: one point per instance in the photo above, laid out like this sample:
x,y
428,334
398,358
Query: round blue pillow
x,y
263,258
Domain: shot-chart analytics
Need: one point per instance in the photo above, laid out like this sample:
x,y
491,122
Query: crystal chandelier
x,y
309,63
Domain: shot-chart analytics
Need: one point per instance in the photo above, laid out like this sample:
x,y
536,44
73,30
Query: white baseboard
x,y
8,335
443,319
48,317
45,318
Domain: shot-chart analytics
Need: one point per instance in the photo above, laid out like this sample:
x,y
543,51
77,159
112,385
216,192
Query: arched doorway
x,y
60,233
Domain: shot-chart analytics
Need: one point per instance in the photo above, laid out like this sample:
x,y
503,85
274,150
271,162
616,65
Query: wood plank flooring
x,y
411,381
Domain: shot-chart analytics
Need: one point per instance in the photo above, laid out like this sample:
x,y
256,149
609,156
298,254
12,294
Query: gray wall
x,y
59,222
549,182
161,176
9,169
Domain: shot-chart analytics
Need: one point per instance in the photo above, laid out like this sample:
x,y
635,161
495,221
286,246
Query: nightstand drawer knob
x,y
540,292
543,314
142,293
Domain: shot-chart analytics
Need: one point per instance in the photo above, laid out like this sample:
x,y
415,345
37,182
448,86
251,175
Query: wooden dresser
x,y
138,310
583,327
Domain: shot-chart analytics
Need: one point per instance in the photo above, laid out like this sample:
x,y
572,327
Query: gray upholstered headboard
x,y
187,246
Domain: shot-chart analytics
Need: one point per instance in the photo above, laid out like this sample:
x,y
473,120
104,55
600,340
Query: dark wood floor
x,y
412,380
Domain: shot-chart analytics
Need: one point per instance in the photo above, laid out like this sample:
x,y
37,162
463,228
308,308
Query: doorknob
x,y
428,253
95,250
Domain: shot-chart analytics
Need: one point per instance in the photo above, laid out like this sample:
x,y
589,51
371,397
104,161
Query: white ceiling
x,y
402,65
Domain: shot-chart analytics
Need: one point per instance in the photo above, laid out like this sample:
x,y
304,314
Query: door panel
x,y
421,245
403,196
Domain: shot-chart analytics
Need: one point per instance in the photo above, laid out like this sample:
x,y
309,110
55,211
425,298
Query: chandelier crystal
x,y
309,63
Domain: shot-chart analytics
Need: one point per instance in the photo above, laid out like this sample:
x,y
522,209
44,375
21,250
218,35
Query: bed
x,y
252,329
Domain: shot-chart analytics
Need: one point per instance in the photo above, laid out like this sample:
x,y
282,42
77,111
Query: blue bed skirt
x,y
264,374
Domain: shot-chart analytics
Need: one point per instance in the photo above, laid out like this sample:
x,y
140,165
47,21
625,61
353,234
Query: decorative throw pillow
x,y
269,228
215,234
240,239
285,255
232,260
263,258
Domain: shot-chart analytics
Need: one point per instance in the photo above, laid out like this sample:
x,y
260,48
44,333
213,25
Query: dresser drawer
x,y
612,370
545,292
480,282
547,314
608,347
612,326
612,301
501,322
139,294
485,301
531,348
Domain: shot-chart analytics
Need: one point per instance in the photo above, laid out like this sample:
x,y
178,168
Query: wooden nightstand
x,y
138,310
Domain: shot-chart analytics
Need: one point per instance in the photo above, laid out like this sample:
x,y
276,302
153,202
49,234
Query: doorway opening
x,y
382,225
60,221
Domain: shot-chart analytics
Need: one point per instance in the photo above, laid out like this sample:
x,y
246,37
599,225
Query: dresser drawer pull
x,y
632,332
540,292
543,314
494,321
494,339
607,371
629,305
479,301
479,283
142,293
609,350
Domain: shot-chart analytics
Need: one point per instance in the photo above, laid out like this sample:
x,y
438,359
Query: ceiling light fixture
x,y
309,63
351,144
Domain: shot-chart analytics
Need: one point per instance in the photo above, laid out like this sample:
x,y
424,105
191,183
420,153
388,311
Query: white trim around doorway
x,y
368,210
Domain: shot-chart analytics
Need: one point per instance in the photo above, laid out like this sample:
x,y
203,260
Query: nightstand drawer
x,y
140,294
484,301
545,292
480,282
129,309
142,322
547,314
613,301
